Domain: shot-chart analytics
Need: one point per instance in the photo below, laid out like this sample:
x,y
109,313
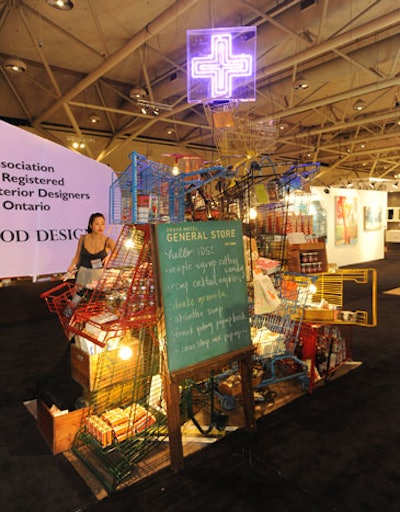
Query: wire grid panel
x,y
58,300
143,193
127,416
330,291
124,296
276,333
238,132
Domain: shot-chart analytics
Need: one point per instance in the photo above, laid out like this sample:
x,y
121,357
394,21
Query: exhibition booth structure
x,y
203,310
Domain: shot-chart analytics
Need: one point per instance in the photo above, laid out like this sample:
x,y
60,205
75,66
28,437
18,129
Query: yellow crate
x,y
319,315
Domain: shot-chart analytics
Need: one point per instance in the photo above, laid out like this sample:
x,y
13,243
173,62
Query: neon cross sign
x,y
221,64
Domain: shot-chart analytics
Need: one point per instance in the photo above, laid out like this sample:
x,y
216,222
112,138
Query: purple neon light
x,y
221,66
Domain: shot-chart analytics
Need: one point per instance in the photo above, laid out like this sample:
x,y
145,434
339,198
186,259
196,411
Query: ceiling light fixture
x,y
359,105
94,119
61,5
300,83
137,92
14,65
78,145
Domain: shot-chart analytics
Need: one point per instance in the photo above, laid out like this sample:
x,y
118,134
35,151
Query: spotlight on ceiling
x,y
94,118
143,110
137,92
61,5
78,145
359,105
156,112
15,65
300,83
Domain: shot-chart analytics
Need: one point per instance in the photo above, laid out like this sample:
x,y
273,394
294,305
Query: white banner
x,y
47,194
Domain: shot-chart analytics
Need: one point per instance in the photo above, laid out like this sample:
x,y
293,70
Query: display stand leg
x,y
246,373
172,396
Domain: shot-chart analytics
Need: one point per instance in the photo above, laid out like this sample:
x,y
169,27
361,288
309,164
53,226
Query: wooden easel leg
x,y
246,373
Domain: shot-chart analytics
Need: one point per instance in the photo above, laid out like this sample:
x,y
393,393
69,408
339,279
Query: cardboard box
x,y
59,431
101,370
231,386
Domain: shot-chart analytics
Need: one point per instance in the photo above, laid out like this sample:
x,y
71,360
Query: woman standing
x,y
93,251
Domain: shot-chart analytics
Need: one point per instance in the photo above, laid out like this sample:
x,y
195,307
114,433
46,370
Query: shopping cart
x,y
61,298
275,334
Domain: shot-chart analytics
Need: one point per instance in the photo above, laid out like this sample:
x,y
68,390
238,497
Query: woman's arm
x,y
75,259
110,244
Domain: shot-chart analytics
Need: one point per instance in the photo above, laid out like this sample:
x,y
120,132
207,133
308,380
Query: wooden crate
x,y
59,431
103,369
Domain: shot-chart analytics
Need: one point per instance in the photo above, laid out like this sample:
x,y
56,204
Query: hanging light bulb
x,y
125,353
175,170
253,213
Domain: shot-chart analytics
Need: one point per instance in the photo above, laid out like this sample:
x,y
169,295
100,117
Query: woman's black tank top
x,y
87,257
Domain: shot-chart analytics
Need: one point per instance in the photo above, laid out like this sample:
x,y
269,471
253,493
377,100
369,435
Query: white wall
x,y
370,245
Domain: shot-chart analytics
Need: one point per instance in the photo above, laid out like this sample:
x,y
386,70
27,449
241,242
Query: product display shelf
x,y
325,348
307,258
116,360
126,418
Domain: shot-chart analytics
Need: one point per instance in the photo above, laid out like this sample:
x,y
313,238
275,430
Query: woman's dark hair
x,y
91,220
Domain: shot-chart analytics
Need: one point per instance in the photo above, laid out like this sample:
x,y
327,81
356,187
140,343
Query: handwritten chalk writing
x,y
217,310
209,297
180,269
184,333
204,281
229,280
204,265
186,317
209,326
203,286
181,252
177,286
188,348
205,251
233,263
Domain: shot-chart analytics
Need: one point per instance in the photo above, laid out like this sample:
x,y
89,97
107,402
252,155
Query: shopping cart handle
x,y
55,289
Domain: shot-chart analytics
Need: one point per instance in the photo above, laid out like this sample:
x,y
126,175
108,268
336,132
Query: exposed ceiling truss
x,y
82,66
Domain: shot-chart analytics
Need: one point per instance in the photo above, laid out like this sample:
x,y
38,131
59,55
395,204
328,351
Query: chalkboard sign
x,y
203,290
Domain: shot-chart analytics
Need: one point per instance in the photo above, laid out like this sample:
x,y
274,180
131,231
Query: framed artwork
x,y
372,218
346,217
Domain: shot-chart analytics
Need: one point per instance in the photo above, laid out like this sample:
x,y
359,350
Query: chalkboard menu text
x,y
203,289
